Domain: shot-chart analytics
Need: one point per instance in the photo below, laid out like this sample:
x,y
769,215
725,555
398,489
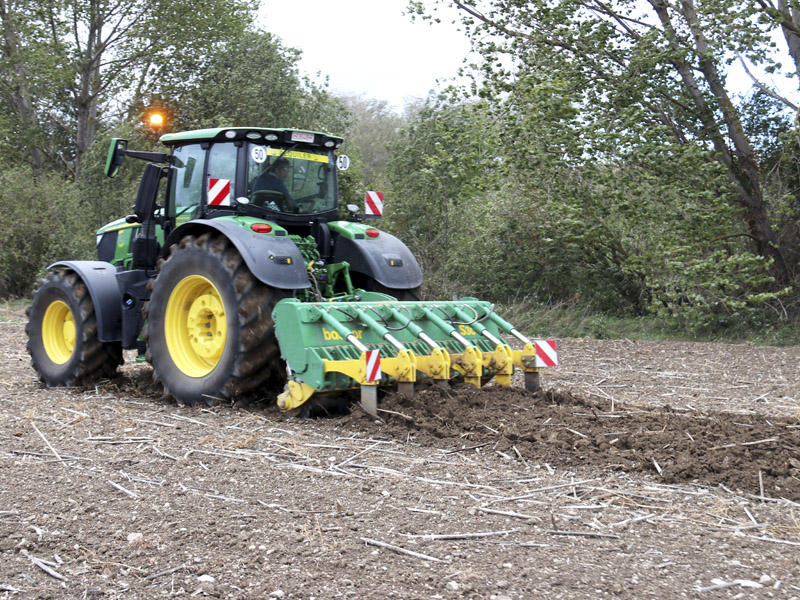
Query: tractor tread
x,y
97,360
257,367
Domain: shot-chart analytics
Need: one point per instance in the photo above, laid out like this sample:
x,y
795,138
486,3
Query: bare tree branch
x,y
764,88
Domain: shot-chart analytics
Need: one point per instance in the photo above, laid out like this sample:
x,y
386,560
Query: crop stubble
x,y
646,469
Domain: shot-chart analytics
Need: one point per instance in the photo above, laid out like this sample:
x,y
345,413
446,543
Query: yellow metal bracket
x,y
436,365
402,368
296,395
525,359
501,364
355,369
470,364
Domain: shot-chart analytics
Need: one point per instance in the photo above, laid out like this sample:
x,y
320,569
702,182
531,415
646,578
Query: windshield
x,y
290,181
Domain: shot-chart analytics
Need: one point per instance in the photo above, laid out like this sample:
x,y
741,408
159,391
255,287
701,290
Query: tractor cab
x,y
286,178
283,175
273,193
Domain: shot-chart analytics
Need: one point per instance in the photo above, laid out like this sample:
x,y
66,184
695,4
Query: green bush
x,y
41,222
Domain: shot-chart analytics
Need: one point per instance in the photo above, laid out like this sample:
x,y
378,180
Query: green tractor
x,y
236,276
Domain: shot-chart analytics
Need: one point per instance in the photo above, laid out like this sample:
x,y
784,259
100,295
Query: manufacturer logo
x,y
334,335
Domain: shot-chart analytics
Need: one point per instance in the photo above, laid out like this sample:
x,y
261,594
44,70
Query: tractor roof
x,y
254,134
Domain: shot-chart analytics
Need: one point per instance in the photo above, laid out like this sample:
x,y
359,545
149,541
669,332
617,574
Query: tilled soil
x,y
644,470
743,452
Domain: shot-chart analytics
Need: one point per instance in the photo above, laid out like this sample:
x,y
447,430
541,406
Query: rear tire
x,y
368,284
209,328
62,334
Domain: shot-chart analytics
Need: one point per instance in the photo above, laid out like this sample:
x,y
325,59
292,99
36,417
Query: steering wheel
x,y
307,203
265,198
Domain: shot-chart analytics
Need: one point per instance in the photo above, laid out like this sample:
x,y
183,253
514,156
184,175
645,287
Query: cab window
x,y
186,181
290,181
221,175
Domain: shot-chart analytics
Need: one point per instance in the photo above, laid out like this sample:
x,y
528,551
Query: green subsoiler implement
x,y
236,276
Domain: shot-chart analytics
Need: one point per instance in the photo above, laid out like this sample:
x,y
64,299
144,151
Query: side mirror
x,y
116,154
148,189
188,172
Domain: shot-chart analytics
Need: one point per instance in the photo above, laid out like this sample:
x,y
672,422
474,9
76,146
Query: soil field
x,y
644,470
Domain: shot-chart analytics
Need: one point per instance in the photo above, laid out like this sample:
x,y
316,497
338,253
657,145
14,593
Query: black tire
x,y
410,295
62,334
205,287
368,284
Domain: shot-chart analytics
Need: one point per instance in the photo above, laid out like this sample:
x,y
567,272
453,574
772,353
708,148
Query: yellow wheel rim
x,y
195,326
58,332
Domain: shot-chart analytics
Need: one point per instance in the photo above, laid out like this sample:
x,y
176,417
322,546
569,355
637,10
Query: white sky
x,y
368,47
371,48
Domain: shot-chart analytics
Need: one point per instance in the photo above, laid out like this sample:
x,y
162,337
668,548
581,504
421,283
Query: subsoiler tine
x,y
406,388
369,399
532,383
470,362
435,365
404,366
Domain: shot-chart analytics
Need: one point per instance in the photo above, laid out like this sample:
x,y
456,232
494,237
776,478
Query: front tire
x,y
62,334
210,332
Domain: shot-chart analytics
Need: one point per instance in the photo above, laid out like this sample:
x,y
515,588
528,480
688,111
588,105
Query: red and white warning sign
x,y
546,354
219,192
373,365
374,203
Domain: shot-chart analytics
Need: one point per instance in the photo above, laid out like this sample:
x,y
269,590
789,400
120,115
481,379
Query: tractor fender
x,y
101,280
274,261
385,259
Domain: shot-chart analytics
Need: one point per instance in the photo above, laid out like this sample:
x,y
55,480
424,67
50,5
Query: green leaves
x,y
713,291
628,175
250,79
41,223
73,65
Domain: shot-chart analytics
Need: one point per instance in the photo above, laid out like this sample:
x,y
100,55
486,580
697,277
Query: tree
x,y
441,169
373,126
101,53
249,80
42,222
637,68
25,60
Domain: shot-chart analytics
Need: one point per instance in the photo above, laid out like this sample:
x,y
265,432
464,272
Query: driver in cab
x,y
273,179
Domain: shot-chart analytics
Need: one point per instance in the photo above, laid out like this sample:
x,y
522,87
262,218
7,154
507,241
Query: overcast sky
x,y
368,47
